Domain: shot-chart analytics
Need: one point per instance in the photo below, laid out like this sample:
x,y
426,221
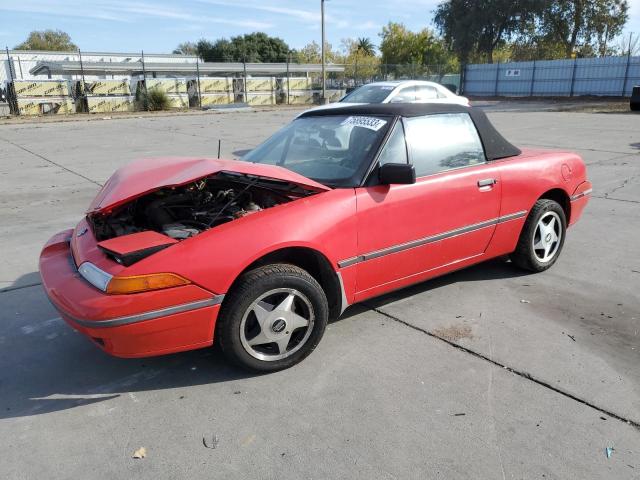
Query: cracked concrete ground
x,y
484,373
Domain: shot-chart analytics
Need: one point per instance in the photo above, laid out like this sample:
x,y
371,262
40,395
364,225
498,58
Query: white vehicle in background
x,y
403,91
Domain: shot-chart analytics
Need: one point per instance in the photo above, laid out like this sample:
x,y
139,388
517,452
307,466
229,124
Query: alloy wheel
x,y
547,237
277,324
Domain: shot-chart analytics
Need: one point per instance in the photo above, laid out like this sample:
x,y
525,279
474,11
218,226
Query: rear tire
x,y
274,318
542,237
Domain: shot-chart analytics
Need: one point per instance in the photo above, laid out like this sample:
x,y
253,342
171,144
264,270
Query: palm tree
x,y
364,46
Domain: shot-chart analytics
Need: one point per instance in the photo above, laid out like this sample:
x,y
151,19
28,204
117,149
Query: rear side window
x,y
425,93
405,95
443,142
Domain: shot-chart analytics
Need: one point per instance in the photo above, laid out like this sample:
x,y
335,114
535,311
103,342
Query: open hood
x,y
144,176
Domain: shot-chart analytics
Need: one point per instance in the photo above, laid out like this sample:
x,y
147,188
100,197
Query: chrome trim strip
x,y
343,295
581,194
512,216
350,261
433,238
141,317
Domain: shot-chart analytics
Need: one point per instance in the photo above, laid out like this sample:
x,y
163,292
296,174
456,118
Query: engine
x,y
184,212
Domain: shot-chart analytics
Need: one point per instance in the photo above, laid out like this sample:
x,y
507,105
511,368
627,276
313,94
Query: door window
x,y
443,142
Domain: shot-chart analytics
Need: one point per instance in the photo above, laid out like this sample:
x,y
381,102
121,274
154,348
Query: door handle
x,y
487,182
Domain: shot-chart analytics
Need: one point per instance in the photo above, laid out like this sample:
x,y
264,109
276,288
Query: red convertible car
x,y
337,207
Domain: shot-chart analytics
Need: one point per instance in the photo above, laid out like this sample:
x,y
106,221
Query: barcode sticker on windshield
x,y
371,123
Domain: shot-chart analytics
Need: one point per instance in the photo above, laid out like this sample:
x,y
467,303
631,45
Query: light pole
x,y
323,100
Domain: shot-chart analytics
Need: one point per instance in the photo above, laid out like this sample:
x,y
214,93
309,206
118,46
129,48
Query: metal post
x,y
463,79
9,64
244,87
13,103
83,85
324,71
573,76
288,77
495,86
533,79
144,82
20,67
626,70
198,74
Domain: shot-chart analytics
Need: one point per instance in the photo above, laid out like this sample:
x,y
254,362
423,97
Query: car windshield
x,y
369,94
335,150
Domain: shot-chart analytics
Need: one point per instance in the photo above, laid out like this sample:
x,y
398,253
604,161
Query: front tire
x,y
274,318
542,237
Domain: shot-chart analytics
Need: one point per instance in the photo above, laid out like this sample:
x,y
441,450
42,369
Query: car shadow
x,y
635,145
46,367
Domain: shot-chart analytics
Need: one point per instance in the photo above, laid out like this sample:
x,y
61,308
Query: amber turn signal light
x,y
144,283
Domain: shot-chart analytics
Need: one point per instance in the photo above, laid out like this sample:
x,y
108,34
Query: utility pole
x,y
323,100
626,70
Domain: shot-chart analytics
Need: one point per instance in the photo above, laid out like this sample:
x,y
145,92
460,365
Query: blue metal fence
x,y
610,76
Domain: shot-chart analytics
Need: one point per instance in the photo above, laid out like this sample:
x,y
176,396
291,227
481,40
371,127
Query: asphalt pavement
x,y
482,374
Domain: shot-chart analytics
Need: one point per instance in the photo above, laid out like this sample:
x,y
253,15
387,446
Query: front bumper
x,y
136,325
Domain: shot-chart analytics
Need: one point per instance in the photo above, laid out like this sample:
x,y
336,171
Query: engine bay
x,y
183,212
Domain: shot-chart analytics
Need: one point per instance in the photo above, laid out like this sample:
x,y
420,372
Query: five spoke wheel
x,y
277,324
547,237
542,236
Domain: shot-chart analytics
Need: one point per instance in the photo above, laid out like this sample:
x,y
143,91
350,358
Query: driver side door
x,y
407,233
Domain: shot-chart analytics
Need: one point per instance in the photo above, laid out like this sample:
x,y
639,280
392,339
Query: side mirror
x,y
401,173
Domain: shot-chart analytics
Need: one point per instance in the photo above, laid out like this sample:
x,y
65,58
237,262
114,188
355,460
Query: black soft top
x,y
495,145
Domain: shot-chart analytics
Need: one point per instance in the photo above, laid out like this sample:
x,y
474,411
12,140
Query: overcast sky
x,y
158,26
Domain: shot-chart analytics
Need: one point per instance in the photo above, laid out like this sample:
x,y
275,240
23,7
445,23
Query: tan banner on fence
x,y
216,99
217,84
45,106
300,97
168,85
108,87
261,99
178,101
260,84
38,88
298,83
111,104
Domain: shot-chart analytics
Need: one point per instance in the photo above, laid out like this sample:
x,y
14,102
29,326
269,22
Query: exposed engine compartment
x,y
183,212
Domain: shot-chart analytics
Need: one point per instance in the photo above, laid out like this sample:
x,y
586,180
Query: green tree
x,y
401,46
587,24
252,47
311,53
482,26
49,40
359,58
186,48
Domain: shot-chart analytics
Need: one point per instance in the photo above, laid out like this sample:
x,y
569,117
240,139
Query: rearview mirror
x,y
400,173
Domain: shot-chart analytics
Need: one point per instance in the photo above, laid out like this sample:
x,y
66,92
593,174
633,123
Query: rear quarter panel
x,y
525,179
